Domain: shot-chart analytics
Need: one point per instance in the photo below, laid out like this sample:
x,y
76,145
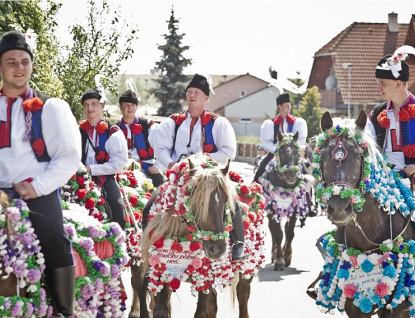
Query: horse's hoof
x,y
134,314
279,267
312,294
287,263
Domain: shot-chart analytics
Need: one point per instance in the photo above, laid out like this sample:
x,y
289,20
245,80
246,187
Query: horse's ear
x,y
295,138
226,169
326,121
280,137
361,121
191,169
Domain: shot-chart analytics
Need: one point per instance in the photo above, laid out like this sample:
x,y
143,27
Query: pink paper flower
x,y
350,290
382,289
154,260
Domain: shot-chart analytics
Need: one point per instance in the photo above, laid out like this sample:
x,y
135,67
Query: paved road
x,y
273,294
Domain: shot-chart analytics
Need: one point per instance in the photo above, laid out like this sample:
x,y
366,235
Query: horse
x,y
284,189
185,239
369,259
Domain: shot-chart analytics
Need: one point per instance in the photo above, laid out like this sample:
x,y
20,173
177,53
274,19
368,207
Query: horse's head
x,y
288,157
212,195
341,168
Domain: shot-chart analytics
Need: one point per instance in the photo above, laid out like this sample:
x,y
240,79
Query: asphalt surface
x,y
273,294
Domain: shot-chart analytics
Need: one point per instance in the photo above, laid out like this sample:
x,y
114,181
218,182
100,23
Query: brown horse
x,y
211,193
360,227
278,185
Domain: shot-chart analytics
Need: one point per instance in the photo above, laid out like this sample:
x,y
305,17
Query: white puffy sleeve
x,y
267,135
225,140
117,150
163,141
300,126
63,143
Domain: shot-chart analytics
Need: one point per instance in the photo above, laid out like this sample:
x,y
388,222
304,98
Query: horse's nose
x,y
339,210
214,250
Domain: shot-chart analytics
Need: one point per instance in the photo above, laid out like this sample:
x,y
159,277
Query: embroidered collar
x,y
100,128
280,120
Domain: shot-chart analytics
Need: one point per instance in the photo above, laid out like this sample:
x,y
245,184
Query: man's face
x,y
387,88
16,67
128,110
284,109
195,98
93,108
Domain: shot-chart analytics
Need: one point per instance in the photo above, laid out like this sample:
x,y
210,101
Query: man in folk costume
x,y
39,152
139,133
392,123
198,130
285,123
104,151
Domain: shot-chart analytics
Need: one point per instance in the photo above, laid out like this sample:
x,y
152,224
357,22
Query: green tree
x,y
311,111
23,15
296,96
98,48
171,83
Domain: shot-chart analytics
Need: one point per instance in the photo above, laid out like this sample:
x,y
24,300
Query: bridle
x,y
339,154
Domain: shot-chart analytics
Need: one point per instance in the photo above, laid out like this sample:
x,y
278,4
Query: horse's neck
x,y
375,224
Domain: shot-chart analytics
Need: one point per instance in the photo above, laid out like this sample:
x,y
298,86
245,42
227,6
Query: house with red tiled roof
x,y
344,68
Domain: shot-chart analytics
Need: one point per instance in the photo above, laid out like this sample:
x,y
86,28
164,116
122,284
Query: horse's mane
x,y
203,181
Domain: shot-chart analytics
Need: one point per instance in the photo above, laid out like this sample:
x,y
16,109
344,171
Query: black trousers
x,y
113,196
47,221
261,169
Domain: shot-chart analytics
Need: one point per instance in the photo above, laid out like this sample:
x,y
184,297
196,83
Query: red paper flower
x,y
101,201
384,120
39,146
174,284
207,148
143,154
159,243
32,104
101,127
244,189
246,224
80,180
176,246
81,193
73,177
84,124
179,119
90,203
409,151
194,246
133,200
235,177
136,129
205,118
100,156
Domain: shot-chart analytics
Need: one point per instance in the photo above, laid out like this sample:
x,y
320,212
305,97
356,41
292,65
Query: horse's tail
x,y
233,288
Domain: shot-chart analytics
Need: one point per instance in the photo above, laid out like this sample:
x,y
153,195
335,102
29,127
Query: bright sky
x,y
236,37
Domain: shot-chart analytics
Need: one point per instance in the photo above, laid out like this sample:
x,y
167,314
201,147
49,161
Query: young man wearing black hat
x,y
139,133
393,134
104,151
39,152
198,130
285,123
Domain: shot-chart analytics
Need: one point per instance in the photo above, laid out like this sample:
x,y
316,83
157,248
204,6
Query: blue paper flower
x,y
367,266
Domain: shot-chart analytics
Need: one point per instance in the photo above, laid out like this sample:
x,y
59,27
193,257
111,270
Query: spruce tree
x,y
311,111
171,82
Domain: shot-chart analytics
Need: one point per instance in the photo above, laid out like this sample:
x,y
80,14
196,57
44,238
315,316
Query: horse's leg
x,y
135,306
243,291
271,226
139,285
289,236
399,312
354,312
279,263
162,307
207,306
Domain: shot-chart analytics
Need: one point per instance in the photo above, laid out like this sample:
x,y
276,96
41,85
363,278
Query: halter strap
x,y
342,184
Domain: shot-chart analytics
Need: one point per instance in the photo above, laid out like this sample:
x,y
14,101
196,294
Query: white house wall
x,y
254,107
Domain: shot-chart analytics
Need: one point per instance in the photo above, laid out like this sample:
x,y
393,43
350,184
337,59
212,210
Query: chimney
x,y
393,25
